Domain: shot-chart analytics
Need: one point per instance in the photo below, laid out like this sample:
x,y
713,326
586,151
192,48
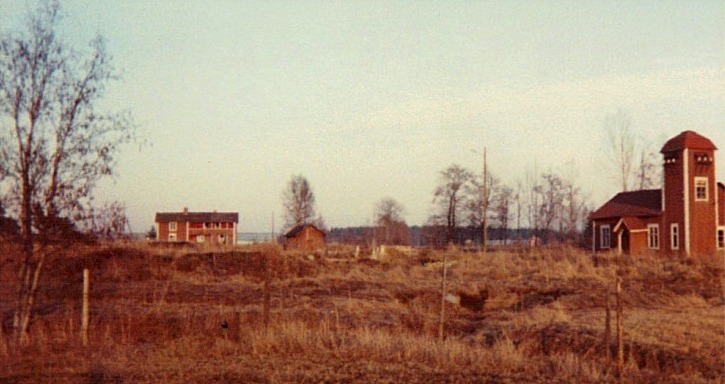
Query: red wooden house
x,y
306,237
685,217
199,227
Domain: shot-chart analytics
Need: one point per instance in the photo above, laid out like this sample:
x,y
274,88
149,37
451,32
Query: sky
x,y
372,99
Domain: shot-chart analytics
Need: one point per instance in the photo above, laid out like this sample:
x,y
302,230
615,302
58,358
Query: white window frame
x,y
674,236
200,238
172,226
172,237
653,236
699,180
605,242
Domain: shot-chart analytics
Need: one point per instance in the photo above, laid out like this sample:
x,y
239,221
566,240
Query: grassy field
x,y
262,315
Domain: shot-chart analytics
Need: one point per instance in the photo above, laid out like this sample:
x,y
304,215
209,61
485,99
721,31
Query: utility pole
x,y
484,234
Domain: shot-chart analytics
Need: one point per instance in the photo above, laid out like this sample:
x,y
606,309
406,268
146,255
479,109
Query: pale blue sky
x,y
369,99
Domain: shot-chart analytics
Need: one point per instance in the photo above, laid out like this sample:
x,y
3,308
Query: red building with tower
x,y
685,217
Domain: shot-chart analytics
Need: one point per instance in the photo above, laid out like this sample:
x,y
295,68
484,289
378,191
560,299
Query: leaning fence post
x,y
84,319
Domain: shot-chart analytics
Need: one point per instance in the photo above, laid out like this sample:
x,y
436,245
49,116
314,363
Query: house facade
x,y
685,217
197,227
306,237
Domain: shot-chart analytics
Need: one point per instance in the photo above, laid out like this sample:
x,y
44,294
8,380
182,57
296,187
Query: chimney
x,y
186,210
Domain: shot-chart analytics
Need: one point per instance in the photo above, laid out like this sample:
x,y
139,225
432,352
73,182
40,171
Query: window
x,y
605,235
172,237
674,236
199,238
172,226
701,189
721,238
653,232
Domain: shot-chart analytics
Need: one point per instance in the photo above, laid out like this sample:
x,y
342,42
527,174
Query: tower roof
x,y
687,139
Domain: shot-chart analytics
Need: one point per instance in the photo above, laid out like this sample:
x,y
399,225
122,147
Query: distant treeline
x,y
429,235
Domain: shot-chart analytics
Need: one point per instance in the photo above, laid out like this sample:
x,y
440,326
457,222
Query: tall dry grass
x,y
527,315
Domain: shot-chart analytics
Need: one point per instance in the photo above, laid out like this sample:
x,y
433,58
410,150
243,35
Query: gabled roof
x,y
647,202
631,223
197,217
296,230
687,139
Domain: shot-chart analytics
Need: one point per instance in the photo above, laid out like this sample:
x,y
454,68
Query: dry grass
x,y
200,315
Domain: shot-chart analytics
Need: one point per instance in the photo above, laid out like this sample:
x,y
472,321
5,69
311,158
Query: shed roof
x,y
687,139
647,202
296,230
197,217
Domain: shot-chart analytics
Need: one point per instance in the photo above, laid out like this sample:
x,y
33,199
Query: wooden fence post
x,y
84,318
266,299
442,320
620,330
608,329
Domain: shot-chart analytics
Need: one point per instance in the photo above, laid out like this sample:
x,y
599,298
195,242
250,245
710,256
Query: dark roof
x,y
687,139
647,202
198,217
296,230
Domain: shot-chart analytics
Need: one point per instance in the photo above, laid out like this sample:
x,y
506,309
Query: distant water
x,y
253,237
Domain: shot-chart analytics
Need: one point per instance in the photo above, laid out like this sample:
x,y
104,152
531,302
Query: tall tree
x,y
574,201
391,225
552,202
299,202
533,199
648,172
518,200
622,145
502,209
449,194
55,143
572,215
110,222
479,200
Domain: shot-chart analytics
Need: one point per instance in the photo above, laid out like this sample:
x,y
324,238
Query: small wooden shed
x,y
306,237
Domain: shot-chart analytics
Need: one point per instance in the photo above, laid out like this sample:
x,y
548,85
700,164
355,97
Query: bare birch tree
x,y
480,200
299,202
518,201
391,225
648,173
502,210
55,143
450,194
622,146
552,201
533,200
